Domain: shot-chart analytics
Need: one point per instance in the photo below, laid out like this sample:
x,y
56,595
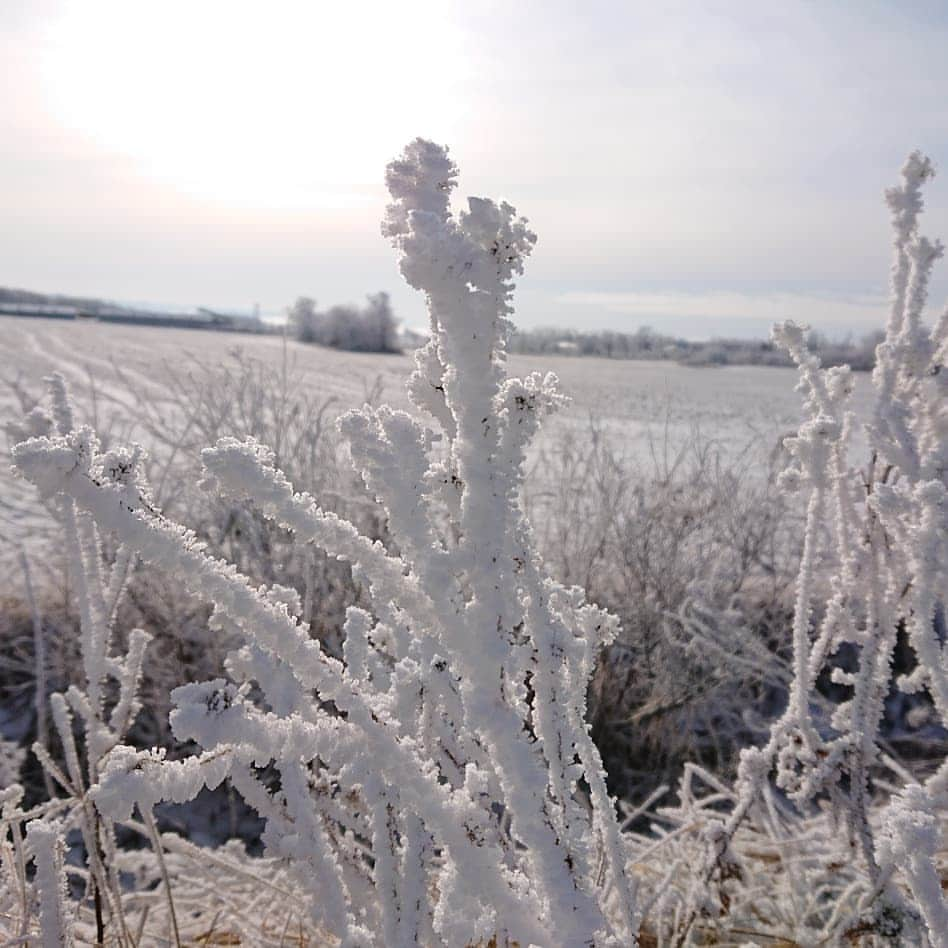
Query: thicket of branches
x,y
683,542
435,780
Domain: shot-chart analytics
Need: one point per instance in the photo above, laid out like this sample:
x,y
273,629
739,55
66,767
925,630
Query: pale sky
x,y
701,167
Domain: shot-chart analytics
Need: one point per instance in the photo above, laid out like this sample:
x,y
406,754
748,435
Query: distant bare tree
x,y
303,319
371,329
379,324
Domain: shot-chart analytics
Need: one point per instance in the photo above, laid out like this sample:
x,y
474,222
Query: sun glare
x,y
298,107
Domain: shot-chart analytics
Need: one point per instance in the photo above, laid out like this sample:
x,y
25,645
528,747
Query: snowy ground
x,y
642,405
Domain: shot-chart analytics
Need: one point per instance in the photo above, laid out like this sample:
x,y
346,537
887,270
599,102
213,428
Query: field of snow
x,y
643,406
627,394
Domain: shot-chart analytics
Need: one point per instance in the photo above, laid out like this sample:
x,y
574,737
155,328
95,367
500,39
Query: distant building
x,y
236,322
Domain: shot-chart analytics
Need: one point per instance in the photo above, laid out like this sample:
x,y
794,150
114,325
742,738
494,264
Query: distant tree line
x,y
645,343
373,328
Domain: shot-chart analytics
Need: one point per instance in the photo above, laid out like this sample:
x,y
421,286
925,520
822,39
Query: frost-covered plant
x,y
104,706
439,784
197,404
694,550
175,409
880,535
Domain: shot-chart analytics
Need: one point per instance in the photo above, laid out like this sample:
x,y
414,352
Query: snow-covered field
x,y
630,397
623,393
642,406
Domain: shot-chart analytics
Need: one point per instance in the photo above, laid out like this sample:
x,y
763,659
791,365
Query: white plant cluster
x,y
104,707
877,537
439,785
